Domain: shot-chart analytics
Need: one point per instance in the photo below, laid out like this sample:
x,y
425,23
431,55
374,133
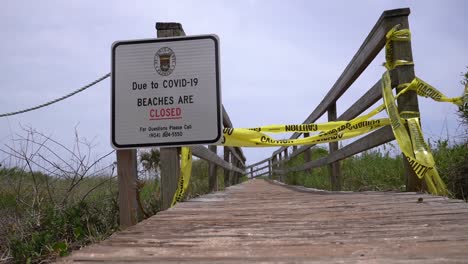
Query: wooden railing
x,y
372,45
233,161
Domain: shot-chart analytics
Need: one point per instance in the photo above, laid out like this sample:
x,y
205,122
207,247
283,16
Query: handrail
x,y
367,52
372,45
206,154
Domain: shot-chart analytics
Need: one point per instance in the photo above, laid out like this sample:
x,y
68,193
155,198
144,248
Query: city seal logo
x,y
164,61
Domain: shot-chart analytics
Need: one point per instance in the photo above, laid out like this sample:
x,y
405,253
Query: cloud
x,y
278,59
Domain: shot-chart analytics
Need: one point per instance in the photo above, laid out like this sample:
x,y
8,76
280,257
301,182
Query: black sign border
x,y
114,144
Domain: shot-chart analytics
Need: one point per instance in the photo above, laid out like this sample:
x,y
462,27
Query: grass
x,y
39,232
379,170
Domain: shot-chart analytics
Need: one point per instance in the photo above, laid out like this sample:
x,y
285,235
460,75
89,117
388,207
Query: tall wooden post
x,y
307,154
226,171
212,173
127,177
170,161
334,168
408,102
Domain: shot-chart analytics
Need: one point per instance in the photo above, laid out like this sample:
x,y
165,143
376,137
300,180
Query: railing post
x,y
170,163
251,172
232,174
127,177
307,154
281,166
226,171
334,167
212,172
270,169
407,102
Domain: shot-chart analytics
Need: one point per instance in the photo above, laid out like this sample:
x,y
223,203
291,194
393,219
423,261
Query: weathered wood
x,y
232,174
227,159
252,170
270,169
407,102
127,177
204,153
171,29
376,138
310,165
258,163
301,150
372,45
373,95
307,154
260,222
334,167
226,120
266,173
170,170
236,153
170,167
212,172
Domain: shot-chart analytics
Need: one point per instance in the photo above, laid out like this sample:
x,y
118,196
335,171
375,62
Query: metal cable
x,y
58,99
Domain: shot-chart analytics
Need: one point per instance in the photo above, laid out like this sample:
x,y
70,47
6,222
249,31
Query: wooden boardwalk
x,y
262,222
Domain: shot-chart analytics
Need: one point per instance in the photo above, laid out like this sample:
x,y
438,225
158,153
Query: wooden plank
x,y
310,165
212,172
301,225
236,153
376,138
226,120
127,177
170,170
228,123
226,171
372,45
170,163
307,154
259,168
270,169
204,153
266,173
258,163
300,150
373,95
334,167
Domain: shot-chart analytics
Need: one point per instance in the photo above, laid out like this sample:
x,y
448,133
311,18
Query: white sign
x,y
166,92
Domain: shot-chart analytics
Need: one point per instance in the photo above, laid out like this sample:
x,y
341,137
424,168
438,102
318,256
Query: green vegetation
x,y
379,170
368,171
43,216
38,222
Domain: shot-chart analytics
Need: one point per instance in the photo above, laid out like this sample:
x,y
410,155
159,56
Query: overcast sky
x,y
278,58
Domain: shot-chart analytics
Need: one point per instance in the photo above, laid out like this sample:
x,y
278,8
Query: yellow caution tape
x,y
413,146
185,172
332,131
422,88
395,35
